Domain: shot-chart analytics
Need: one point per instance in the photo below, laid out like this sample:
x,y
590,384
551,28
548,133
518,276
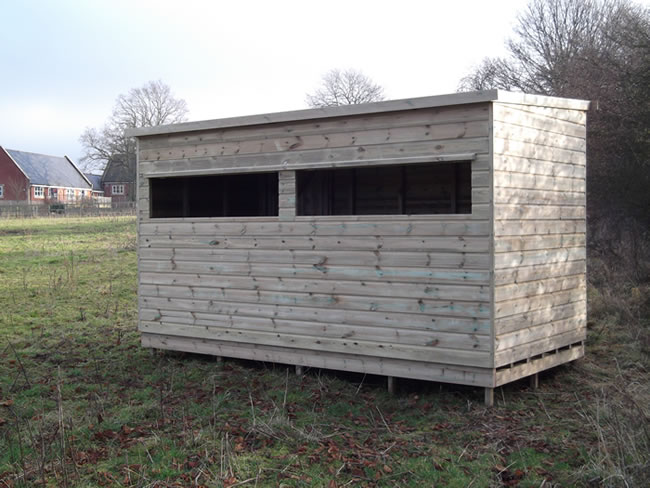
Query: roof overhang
x,y
363,109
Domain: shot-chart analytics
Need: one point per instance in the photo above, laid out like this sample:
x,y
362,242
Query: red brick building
x,y
118,180
35,178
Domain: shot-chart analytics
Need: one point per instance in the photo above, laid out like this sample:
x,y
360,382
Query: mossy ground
x,y
82,404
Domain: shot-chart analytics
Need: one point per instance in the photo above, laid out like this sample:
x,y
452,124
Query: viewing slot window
x,y
238,195
422,188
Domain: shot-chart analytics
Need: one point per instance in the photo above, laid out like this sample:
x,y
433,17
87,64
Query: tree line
x,y
597,50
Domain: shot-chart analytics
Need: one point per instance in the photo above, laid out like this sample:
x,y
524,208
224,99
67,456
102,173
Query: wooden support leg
x,y
534,381
489,397
390,384
298,370
219,359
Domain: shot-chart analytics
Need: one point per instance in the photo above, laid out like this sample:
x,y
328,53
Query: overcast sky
x,y
63,62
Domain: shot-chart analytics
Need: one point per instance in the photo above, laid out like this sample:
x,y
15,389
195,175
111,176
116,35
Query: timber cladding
x,y
440,238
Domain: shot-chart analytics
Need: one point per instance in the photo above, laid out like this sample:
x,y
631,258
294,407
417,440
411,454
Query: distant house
x,y
118,180
96,182
40,178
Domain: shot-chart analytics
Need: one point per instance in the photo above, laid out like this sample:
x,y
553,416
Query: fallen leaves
x,y
127,436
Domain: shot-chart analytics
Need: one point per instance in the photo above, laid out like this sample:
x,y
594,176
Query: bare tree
x,y
150,105
490,73
597,50
347,87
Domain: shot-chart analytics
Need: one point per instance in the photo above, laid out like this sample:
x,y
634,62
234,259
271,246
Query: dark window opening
x,y
429,188
240,195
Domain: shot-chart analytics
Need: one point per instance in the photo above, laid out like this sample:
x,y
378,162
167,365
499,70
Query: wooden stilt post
x,y
390,384
489,397
298,370
534,381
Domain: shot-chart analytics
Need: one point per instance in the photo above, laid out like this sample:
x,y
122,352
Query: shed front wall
x,y
539,229
397,295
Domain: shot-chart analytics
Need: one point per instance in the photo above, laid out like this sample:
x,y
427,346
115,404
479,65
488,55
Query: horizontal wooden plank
x,y
355,163
431,353
518,130
534,242
538,182
542,256
539,212
304,142
533,288
521,337
323,243
522,274
538,197
402,226
412,327
507,375
538,227
343,362
404,119
548,300
534,102
511,114
557,115
304,159
330,314
536,151
237,326
431,276
530,166
480,211
505,325
456,260
452,308
480,196
319,286
243,329
541,346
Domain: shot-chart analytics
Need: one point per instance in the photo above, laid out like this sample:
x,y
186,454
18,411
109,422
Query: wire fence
x,y
59,209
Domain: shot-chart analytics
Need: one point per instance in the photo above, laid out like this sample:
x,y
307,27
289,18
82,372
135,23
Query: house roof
x,y
366,108
45,170
117,171
95,180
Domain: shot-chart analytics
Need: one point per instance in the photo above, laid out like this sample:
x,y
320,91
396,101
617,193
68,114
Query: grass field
x,y
82,404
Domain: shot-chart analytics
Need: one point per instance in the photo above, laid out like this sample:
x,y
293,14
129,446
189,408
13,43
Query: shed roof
x,y
366,108
42,169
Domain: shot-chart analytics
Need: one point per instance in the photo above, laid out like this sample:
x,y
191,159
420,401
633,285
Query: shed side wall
x,y
539,227
379,290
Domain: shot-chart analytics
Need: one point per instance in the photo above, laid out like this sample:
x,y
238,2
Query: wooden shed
x,y
439,238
